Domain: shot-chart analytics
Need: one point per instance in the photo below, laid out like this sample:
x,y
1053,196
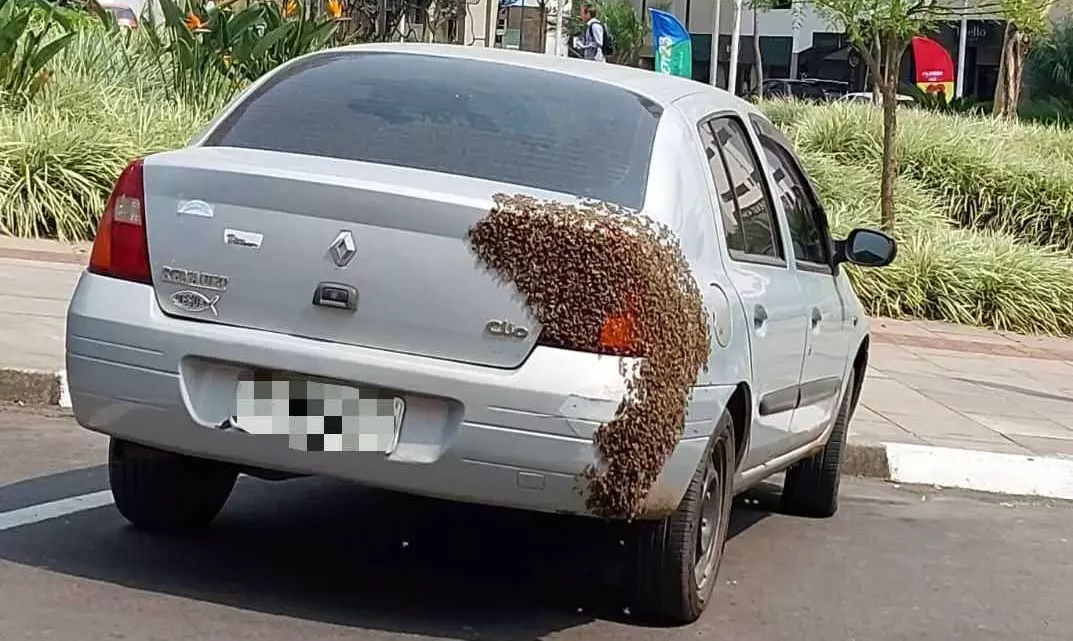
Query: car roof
x,y
660,88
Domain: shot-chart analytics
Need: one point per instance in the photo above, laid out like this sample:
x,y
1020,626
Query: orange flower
x,y
335,9
227,60
290,9
194,22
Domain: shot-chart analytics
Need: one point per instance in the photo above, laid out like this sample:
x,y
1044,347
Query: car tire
x,y
165,492
676,560
811,485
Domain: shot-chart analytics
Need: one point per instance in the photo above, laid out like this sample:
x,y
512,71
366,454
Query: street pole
x,y
959,89
491,20
558,27
735,44
714,64
795,16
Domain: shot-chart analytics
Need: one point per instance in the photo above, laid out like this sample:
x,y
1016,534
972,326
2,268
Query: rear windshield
x,y
487,120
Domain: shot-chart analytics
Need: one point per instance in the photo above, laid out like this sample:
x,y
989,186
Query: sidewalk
x,y
951,386
930,385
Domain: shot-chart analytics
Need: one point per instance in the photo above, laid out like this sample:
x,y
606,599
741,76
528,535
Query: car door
x,y
827,345
756,263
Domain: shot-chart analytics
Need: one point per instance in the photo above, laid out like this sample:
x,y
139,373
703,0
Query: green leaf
x,y
12,31
186,55
52,15
270,39
22,71
321,35
46,53
173,15
244,22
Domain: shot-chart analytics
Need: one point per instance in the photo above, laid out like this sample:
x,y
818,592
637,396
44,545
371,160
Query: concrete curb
x,y
1012,474
34,387
980,471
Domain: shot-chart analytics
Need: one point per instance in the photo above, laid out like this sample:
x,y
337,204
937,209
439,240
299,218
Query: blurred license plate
x,y
317,416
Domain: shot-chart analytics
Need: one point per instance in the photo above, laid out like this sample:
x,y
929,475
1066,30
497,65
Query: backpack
x,y
608,47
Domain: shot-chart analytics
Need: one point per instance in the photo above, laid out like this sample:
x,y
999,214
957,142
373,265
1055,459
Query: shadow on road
x,y
330,552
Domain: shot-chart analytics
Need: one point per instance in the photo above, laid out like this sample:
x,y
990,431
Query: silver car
x,y
291,294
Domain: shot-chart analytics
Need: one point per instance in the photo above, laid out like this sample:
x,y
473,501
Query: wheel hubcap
x,y
711,519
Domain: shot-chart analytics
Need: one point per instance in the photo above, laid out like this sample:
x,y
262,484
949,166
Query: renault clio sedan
x,y
291,294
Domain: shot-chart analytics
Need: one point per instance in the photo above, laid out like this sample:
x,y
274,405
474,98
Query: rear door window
x,y
748,188
474,118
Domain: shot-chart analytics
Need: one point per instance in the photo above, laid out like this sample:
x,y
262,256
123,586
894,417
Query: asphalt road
x,y
311,559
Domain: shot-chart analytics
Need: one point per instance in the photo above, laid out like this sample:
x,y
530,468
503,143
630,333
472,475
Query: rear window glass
x,y
499,122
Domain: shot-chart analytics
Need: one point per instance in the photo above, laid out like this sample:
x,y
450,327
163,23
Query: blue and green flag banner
x,y
672,44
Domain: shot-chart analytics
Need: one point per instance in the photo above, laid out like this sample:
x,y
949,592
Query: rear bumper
x,y
516,438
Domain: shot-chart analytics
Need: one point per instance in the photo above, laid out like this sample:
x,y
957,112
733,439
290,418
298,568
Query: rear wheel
x,y
811,485
676,559
166,492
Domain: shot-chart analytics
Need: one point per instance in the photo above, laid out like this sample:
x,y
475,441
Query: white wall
x,y
477,23
772,23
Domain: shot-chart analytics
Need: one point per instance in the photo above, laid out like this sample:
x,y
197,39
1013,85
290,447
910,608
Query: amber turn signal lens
x,y
617,334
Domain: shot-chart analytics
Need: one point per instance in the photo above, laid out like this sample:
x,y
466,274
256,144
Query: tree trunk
x,y
1010,72
543,12
874,72
890,157
890,73
758,66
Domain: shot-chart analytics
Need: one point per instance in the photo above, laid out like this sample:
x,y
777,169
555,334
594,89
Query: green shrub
x,y
1049,68
57,166
987,174
1049,110
956,275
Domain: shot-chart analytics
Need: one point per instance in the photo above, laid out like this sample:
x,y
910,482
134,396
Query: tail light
x,y
121,249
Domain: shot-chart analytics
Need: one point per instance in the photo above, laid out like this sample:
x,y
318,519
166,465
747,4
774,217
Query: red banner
x,y
934,67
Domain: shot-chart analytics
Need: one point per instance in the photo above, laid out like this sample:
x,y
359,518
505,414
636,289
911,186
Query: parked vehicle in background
x,y
124,15
815,89
309,246
866,96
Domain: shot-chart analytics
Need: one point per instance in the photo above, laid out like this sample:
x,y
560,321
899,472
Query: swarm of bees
x,y
576,267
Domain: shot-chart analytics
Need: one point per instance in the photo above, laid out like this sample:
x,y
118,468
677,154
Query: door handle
x,y
817,316
759,316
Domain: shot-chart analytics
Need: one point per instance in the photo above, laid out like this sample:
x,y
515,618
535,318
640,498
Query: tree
x,y
881,31
627,25
1049,67
1025,20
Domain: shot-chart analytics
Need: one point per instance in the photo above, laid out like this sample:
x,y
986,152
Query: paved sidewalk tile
x,y
33,307
948,387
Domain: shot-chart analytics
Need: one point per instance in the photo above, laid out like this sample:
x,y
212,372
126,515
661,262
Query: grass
x,y
983,225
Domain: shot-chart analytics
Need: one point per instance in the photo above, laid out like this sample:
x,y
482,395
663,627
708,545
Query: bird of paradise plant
x,y
26,49
202,41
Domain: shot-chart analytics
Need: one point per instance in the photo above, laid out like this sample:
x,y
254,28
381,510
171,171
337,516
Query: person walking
x,y
592,43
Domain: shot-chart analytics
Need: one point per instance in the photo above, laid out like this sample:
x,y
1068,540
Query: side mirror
x,y
866,248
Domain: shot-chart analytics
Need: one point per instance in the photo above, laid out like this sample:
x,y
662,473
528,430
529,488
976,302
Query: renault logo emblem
x,y
343,249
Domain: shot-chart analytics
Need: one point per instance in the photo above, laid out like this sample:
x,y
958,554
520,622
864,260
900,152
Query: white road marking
x,y
54,509
982,471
